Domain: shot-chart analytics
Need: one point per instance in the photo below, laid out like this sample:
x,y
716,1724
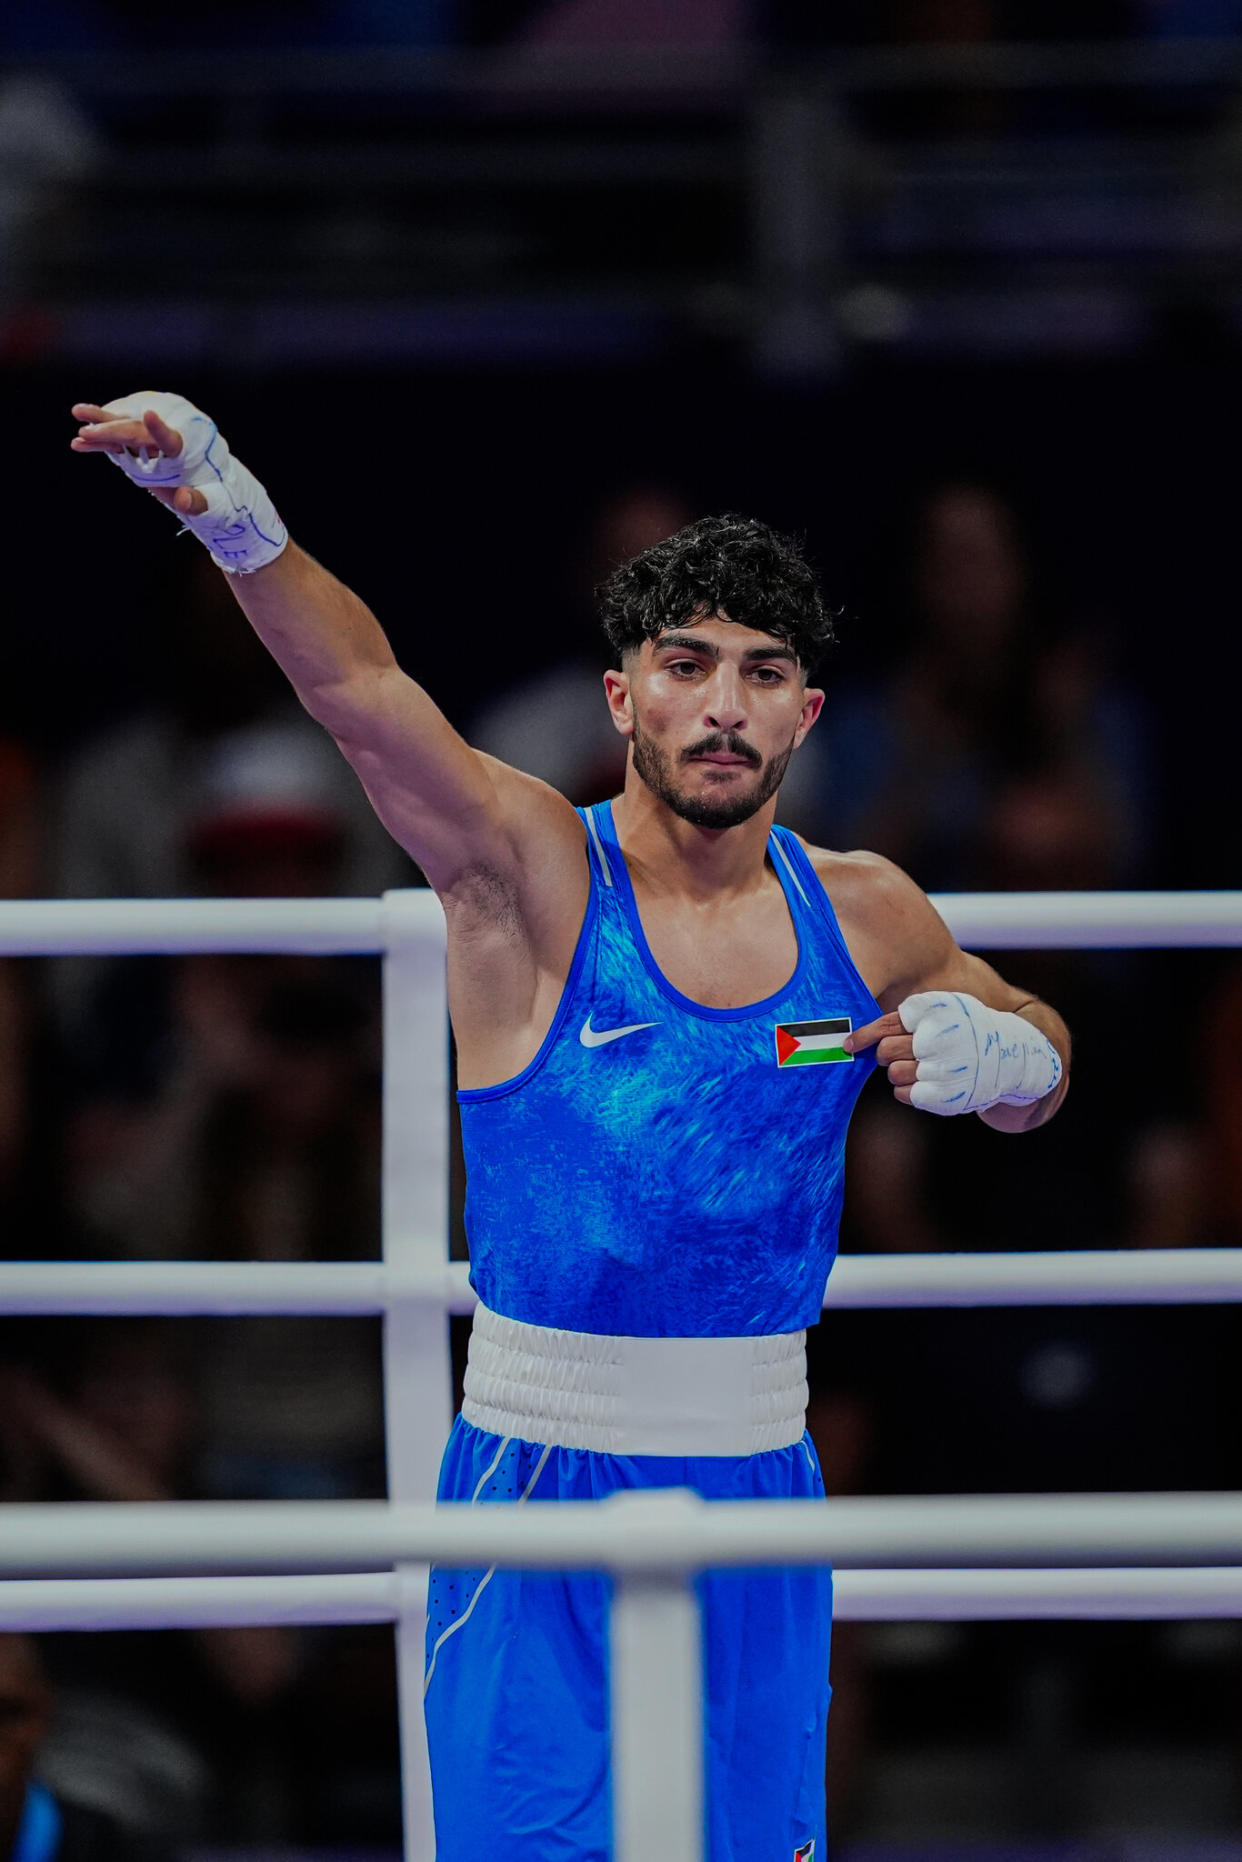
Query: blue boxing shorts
x,y
517,1670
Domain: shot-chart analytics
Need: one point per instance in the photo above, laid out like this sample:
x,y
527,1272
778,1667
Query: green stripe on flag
x,y
815,1056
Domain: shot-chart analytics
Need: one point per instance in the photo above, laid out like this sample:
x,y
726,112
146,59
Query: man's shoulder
x,y
860,877
892,929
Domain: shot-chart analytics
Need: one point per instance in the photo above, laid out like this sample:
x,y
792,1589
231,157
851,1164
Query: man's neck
x,y
674,856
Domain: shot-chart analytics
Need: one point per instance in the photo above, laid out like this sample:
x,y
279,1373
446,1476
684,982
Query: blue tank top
x,y
662,1169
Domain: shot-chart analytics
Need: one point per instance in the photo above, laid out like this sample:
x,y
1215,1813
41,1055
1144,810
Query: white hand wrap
x,y
971,1057
240,525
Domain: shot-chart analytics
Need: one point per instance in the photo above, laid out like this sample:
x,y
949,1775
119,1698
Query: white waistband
x,y
635,1396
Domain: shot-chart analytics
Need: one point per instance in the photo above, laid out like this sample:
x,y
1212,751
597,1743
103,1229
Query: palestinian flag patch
x,y
812,1044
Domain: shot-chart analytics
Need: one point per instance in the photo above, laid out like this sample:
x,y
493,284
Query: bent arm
x,y
908,952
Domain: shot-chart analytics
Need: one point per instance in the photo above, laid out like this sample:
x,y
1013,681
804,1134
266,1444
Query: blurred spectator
x,y
224,778
174,1733
128,798
111,1416
265,815
1171,1189
37,1824
262,1143
260,812
229,1110
1019,1400
557,725
997,739
259,1735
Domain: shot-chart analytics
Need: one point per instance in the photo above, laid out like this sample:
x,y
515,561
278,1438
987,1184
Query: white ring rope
x,y
996,921
630,1533
1105,1276
963,1596
171,927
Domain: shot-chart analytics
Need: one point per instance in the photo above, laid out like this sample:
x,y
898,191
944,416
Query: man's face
x,y
714,711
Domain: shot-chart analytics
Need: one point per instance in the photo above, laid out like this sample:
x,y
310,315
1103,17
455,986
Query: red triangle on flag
x,y
786,1044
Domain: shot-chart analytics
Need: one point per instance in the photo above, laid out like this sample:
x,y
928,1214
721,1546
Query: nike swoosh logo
x,y
597,1037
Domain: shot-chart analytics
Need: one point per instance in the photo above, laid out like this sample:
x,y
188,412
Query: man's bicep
x,y
430,789
922,953
462,815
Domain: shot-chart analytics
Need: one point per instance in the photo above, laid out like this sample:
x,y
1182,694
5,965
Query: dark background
x,y
451,279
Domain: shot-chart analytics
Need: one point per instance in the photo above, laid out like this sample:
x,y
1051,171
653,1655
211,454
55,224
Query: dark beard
x,y
653,766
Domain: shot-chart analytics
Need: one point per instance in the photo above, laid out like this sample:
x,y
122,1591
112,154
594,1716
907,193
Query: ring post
x,y
657,1687
657,1732
417,1364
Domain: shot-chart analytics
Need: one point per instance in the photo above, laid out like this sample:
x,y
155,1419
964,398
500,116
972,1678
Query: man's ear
x,y
812,705
617,692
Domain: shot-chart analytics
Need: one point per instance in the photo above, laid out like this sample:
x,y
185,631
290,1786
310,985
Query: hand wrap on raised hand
x,y
971,1057
240,525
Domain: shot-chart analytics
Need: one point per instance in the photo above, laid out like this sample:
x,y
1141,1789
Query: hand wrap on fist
x,y
971,1057
240,525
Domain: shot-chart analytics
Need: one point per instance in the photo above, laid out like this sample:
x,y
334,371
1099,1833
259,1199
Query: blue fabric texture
x,y
673,1182
517,1695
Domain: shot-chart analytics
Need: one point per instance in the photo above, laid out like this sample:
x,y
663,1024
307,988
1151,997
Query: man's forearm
x,y
1026,1118
323,636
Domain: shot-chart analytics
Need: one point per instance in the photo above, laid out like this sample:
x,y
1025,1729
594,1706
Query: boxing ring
x,y
217,1563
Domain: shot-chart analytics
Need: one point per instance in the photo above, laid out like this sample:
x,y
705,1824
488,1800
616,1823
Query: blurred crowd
x,y
227,1108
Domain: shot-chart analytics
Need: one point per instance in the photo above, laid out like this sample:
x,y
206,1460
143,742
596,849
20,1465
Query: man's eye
x,y
768,675
683,666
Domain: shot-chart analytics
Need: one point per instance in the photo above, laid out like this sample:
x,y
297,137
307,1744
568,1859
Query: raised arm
x,y
957,1037
470,822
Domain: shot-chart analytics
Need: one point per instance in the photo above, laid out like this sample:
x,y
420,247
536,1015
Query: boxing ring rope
x,y
968,1595
983,920
650,1542
642,1534
340,1289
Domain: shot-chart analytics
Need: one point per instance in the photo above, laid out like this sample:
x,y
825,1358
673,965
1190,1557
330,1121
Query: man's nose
x,y
726,700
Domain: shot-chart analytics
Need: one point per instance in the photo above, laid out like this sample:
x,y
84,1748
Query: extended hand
x,y
177,453
143,438
947,1052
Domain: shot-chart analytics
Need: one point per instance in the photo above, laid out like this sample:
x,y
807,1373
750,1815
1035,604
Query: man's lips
x,y
723,759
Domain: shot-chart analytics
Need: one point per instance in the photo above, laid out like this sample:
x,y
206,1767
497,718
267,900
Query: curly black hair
x,y
718,565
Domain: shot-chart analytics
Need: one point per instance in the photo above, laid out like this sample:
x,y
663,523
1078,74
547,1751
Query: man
x,y
665,1008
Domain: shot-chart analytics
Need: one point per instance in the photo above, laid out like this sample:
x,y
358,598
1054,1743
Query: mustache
x,y
726,742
